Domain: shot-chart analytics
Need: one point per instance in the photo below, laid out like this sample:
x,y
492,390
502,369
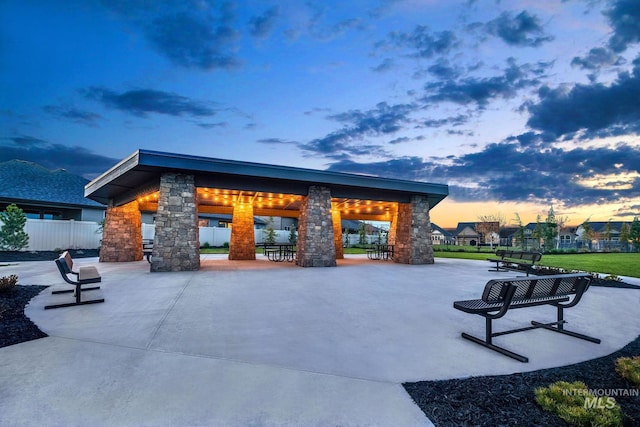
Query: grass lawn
x,y
618,264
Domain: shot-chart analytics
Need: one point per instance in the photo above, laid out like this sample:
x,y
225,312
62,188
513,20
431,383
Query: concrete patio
x,y
258,343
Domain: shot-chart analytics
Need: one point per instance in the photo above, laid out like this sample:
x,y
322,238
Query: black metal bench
x,y
147,249
84,275
508,260
501,295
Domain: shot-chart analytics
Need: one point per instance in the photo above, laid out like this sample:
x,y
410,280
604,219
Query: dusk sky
x,y
517,105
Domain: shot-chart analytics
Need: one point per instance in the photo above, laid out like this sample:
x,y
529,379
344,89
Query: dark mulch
x,y
14,256
509,400
15,327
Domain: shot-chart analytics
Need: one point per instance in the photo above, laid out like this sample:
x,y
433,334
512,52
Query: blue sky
x,y
518,105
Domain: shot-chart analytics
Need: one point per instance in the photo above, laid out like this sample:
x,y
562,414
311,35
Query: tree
x,y
488,227
634,233
537,233
587,233
520,232
625,237
549,229
269,233
362,234
293,237
346,237
12,234
608,231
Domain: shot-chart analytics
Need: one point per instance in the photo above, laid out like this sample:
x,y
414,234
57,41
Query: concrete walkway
x,y
257,343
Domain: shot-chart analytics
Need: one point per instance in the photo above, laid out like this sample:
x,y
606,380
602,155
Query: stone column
x,y
391,238
336,218
243,238
176,245
413,233
316,246
122,234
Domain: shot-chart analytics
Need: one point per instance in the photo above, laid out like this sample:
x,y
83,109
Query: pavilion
x,y
178,187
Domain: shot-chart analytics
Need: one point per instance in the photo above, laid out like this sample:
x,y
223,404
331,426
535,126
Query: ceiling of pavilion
x,y
223,201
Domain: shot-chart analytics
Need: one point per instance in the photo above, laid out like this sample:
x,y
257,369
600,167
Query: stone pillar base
x,y
122,234
316,247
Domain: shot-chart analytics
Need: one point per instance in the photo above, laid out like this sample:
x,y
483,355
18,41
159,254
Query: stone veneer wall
x,y
336,218
391,238
243,238
316,247
413,233
122,234
176,245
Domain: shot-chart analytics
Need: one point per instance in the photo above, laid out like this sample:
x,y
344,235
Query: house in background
x,y
440,236
46,194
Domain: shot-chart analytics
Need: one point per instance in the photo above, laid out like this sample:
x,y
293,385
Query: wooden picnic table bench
x,y
84,275
501,295
509,260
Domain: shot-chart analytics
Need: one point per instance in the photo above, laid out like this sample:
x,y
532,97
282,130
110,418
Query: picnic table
x,y
279,252
380,251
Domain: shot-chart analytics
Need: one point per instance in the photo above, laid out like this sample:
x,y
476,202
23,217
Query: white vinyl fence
x,y
51,234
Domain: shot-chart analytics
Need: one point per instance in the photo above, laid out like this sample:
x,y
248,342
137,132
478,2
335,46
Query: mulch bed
x,y
15,327
508,400
15,256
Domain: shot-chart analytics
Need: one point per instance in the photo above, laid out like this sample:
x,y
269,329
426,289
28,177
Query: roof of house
x,y
30,183
463,225
442,231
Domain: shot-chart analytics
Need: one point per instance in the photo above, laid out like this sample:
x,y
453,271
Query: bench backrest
x,y
535,287
527,256
65,270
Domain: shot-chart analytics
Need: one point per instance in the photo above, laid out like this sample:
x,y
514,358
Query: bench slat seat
x,y
501,295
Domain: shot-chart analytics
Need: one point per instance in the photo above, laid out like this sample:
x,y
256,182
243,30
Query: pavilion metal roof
x,y
140,174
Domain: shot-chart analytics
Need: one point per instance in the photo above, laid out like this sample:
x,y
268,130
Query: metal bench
x,y
84,275
147,249
501,295
508,260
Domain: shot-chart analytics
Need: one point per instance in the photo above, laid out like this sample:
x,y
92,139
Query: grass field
x,y
618,264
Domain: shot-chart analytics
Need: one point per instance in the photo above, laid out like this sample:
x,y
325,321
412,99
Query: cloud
x,y
261,26
624,17
480,90
597,58
276,141
596,109
77,160
508,172
140,102
382,120
421,42
73,114
522,29
190,34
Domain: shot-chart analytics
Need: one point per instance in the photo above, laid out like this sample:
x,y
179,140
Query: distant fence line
x,y
53,234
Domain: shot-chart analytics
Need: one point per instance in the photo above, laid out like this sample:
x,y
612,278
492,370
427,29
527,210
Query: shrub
x,y
569,402
12,234
629,369
206,245
225,245
8,282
